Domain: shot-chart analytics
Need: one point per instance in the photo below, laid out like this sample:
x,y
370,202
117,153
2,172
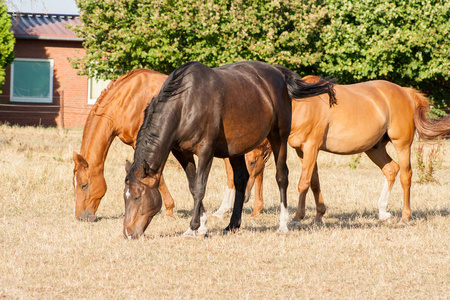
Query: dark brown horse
x,y
367,117
221,112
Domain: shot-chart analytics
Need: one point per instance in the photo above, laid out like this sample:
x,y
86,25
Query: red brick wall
x,y
69,107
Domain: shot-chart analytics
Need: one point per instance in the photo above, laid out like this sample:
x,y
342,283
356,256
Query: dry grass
x,y
45,253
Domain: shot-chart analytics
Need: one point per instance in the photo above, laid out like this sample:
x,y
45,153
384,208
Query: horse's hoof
x,y
218,215
317,224
229,229
169,217
255,214
282,231
384,216
388,221
295,223
190,233
204,234
403,223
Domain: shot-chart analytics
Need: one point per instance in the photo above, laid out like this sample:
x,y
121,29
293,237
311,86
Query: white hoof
x,y
190,233
283,230
383,216
218,214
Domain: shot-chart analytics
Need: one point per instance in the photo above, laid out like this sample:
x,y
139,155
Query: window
x,y
32,80
95,88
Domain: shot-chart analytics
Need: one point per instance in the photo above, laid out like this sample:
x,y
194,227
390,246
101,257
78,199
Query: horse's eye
x,y
137,198
84,186
252,163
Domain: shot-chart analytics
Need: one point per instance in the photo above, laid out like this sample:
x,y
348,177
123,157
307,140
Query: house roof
x,y
44,26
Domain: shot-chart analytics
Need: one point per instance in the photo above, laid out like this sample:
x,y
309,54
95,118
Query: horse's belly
x,y
353,139
243,133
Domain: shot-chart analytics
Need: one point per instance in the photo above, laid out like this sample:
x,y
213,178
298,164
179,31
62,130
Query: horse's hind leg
x,y
390,170
403,149
320,204
279,148
309,175
240,175
167,198
228,198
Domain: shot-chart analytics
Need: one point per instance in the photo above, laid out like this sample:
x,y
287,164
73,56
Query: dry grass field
x,y
45,253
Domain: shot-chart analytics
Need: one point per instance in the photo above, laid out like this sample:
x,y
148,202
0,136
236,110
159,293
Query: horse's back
x,y
363,114
236,98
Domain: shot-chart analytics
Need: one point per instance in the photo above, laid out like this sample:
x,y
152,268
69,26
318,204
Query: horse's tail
x,y
299,88
427,128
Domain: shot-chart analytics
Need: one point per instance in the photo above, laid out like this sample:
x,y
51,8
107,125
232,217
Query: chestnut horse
x,y
119,111
221,112
367,117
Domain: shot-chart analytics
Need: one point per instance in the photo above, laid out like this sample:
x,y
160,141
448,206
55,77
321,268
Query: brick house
x,y
41,86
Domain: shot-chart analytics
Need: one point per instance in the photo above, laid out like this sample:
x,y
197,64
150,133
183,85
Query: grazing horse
x,y
367,117
221,112
119,111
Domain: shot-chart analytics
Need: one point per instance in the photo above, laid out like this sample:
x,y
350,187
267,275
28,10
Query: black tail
x,y
299,89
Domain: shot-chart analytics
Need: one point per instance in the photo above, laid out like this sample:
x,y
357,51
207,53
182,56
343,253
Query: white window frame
x,y
91,101
48,99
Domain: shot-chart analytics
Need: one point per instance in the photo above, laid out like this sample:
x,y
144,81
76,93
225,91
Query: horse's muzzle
x,y
86,216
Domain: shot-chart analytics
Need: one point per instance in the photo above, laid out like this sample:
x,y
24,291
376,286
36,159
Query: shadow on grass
x,y
348,220
107,218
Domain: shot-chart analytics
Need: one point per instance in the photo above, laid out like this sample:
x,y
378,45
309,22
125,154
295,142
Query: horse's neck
x,y
97,138
155,144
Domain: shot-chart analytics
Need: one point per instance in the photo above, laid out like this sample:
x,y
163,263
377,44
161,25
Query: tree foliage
x,y
162,35
6,42
403,41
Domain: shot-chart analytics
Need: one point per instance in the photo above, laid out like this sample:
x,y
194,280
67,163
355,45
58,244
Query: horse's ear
x,y
79,160
127,166
146,169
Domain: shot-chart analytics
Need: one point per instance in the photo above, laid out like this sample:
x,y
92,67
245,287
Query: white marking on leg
x,y
383,202
202,229
227,202
190,233
284,218
127,235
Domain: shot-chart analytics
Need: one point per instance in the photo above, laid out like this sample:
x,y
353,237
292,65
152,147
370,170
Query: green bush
x,y
403,41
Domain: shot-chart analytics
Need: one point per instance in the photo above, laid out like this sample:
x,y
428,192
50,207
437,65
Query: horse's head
x,y
142,199
255,161
90,187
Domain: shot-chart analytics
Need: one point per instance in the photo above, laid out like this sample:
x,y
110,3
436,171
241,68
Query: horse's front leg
x,y
240,175
199,218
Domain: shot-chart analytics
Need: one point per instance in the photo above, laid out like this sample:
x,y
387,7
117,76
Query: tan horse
x,y
119,111
367,116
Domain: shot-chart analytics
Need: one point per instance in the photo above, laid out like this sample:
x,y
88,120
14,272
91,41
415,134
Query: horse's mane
x,y
149,133
98,108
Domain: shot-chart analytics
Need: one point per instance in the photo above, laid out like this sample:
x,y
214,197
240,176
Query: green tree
x,y
403,41
6,42
121,35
